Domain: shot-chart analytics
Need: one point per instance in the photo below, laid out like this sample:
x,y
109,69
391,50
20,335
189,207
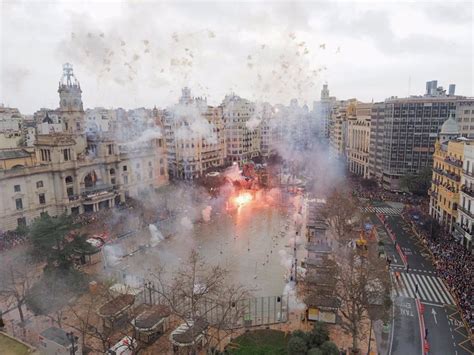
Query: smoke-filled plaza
x,y
252,239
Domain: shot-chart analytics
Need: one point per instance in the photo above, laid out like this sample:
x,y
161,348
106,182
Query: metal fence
x,y
249,312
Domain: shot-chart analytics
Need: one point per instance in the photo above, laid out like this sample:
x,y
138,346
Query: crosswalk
x,y
430,288
391,211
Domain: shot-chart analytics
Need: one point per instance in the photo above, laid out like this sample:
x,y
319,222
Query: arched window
x,y
68,179
90,179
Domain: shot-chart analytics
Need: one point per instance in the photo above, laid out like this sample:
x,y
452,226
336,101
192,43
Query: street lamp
x,y
72,338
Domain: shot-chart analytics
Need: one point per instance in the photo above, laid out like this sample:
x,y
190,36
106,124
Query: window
x,y
21,222
150,174
110,148
149,163
70,191
68,179
17,188
39,184
42,199
125,179
112,171
112,181
162,171
124,168
19,204
67,154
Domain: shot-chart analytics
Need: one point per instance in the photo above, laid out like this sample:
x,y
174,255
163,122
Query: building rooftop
x,y
450,126
152,316
13,154
116,306
57,335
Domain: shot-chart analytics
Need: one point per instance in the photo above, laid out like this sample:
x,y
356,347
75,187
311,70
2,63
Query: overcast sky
x,y
140,53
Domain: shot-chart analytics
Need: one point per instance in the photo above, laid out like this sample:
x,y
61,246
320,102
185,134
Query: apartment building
x,y
243,138
463,228
195,137
358,140
341,112
446,181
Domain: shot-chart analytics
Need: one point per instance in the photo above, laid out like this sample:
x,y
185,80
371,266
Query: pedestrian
x,y
426,333
416,288
395,244
408,267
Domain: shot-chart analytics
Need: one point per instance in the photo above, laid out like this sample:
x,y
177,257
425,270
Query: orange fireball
x,y
243,199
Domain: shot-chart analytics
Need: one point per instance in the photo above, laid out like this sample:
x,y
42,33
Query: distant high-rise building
x,y
404,132
452,89
322,111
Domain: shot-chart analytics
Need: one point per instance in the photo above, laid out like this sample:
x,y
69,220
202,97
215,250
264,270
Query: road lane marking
x,y
437,298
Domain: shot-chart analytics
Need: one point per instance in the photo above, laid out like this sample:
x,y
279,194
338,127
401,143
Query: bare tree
x,y
361,279
199,292
341,212
86,320
16,277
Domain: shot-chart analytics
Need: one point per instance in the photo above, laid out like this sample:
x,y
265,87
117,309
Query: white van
x,y
124,347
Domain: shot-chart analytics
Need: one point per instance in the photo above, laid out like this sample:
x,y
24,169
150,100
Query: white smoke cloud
x,y
206,214
155,235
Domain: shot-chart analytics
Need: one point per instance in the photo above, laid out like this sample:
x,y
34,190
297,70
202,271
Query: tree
x,y
297,346
362,280
417,184
200,292
340,212
368,183
16,277
87,322
329,348
53,242
315,351
361,277
319,334
53,291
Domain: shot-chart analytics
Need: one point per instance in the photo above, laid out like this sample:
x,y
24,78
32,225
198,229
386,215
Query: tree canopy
x,y
417,184
53,241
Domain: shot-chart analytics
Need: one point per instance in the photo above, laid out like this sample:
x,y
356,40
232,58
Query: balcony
x,y
98,192
467,190
468,173
462,230
465,211
448,174
454,162
433,193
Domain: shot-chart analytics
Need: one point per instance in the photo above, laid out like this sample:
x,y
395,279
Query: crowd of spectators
x,y
453,262
368,189
11,239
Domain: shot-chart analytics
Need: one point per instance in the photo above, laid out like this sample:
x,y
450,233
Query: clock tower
x,y
70,102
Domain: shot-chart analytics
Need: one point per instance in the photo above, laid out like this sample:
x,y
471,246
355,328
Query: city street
x,y
414,277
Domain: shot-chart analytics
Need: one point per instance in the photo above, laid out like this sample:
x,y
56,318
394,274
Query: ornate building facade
x,y
69,172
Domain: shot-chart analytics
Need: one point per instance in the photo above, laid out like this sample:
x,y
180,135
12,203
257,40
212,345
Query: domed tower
x,y
449,130
70,102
